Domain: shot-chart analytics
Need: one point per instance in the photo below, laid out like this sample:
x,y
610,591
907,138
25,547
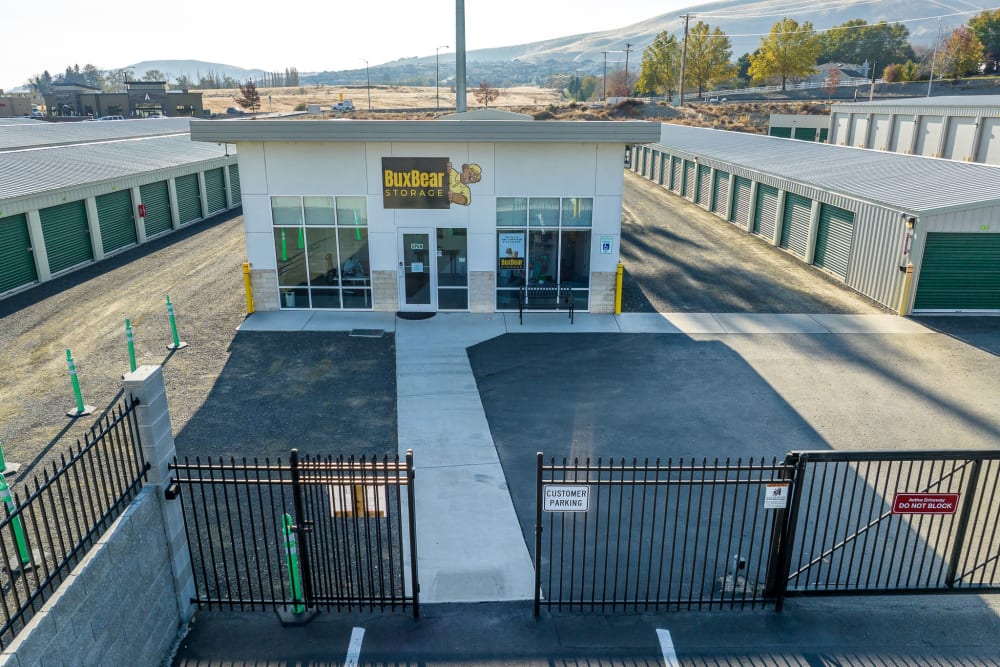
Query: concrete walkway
x,y
470,546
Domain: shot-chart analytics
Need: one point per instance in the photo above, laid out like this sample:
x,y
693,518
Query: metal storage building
x,y
75,193
960,127
911,233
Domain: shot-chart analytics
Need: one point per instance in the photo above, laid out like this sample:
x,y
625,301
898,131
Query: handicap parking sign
x,y
606,245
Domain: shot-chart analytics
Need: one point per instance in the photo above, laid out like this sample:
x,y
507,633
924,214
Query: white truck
x,y
344,105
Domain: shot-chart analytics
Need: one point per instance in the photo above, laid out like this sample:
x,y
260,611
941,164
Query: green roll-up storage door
x,y
17,261
959,272
795,223
783,132
823,134
664,165
720,192
234,183
215,190
67,237
689,173
805,133
704,185
833,239
156,198
188,198
676,174
114,210
741,201
765,211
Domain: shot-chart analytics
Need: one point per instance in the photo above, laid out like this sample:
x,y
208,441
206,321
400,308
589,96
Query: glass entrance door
x,y
417,279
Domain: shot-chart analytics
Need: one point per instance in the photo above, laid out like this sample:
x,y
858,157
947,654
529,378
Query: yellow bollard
x,y
904,299
247,287
618,289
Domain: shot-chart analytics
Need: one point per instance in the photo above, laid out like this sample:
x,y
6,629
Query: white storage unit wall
x,y
960,127
862,216
77,201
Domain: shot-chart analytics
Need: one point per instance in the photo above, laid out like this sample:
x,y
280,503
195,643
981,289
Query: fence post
x,y
292,555
783,531
411,499
538,534
155,431
963,523
302,527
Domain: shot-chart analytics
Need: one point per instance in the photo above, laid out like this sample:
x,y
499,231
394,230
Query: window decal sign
x,y
426,182
511,250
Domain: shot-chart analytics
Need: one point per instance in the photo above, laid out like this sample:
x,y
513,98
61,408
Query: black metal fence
x,y
315,533
650,537
51,524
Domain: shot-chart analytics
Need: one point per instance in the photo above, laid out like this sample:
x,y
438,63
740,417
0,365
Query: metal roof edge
x,y
425,131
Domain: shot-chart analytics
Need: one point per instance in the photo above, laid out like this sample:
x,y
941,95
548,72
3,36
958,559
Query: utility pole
x,y
934,59
871,91
628,90
460,94
604,83
684,55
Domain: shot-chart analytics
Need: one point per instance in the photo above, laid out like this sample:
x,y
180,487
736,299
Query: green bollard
x,y
178,344
131,345
284,246
81,409
291,550
302,239
15,520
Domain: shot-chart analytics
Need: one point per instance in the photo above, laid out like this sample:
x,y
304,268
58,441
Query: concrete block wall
x,y
602,292
482,291
264,283
117,607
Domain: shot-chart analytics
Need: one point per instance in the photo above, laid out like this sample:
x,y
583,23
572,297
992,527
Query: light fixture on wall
x,y
628,156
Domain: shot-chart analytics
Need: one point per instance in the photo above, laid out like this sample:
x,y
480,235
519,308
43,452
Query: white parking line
x,y
354,648
667,648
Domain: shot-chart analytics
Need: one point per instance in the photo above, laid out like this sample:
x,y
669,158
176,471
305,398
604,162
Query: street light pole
x,y
368,78
437,74
604,82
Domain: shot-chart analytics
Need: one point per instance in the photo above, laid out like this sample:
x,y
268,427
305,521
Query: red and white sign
x,y
925,503
142,210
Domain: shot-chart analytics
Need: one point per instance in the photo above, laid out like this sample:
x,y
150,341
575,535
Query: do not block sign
x,y
925,503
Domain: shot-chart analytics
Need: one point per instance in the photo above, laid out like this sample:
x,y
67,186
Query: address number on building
x,y
565,497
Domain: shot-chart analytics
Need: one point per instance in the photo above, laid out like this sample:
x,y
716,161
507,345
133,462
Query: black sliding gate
x,y
637,537
316,533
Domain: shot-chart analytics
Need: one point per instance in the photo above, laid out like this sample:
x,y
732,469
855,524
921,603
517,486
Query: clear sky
x,y
308,35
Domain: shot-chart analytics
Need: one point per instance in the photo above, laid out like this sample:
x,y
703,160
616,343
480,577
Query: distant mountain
x,y
743,22
194,70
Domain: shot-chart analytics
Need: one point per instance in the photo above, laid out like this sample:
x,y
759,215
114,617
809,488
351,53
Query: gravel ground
x,y
230,394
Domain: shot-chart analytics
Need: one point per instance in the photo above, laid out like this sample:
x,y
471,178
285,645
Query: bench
x,y
545,298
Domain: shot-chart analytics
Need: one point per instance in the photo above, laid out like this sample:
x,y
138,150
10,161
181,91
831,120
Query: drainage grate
x,y
367,333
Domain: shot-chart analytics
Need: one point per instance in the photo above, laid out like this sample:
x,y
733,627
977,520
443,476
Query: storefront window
x,y
558,254
319,210
322,264
543,212
286,210
452,269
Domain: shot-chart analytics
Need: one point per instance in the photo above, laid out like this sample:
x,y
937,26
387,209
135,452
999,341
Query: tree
x,y
93,76
790,50
248,98
832,81
114,81
41,83
616,84
486,94
743,67
183,82
154,75
962,54
856,41
660,65
986,26
708,55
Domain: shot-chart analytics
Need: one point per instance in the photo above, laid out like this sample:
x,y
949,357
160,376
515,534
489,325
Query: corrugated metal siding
x,y
720,198
188,198
958,145
114,211
36,135
67,237
689,173
741,201
17,261
902,134
156,197
676,173
989,142
833,239
929,136
876,252
664,168
795,223
704,185
215,190
946,105
765,211
959,272
234,182
880,136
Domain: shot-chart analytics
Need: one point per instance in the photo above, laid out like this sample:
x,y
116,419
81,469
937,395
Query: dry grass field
x,y
281,100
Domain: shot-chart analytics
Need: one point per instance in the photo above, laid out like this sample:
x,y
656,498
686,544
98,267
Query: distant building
x,y
141,100
12,106
847,74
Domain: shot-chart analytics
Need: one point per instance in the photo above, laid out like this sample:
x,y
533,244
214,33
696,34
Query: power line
x,y
860,27
802,7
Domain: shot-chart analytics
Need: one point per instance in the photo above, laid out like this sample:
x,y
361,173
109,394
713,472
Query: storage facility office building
x,y
912,233
453,214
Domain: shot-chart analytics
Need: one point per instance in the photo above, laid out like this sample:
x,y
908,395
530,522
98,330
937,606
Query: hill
x,y
194,69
